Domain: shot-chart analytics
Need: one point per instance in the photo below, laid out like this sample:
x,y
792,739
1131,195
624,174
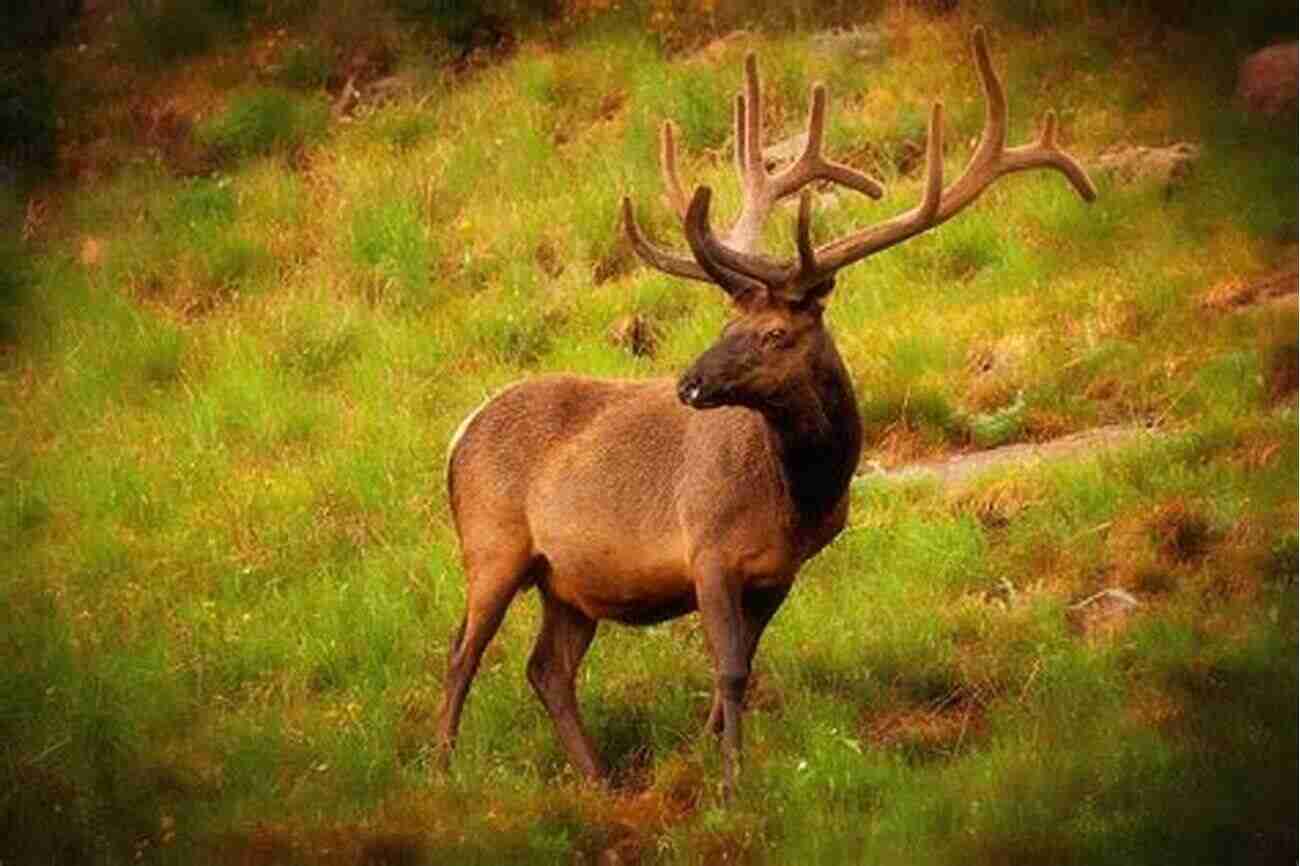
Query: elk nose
x,y
689,390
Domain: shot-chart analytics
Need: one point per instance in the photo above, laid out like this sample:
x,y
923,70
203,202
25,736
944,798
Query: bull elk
x,y
641,501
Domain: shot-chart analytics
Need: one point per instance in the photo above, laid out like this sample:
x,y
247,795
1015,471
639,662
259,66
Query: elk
x,y
641,501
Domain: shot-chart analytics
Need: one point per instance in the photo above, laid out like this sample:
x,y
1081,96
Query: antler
x,y
991,160
760,190
812,270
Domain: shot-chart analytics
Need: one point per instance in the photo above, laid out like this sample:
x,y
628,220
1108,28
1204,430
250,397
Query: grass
x,y
229,576
262,120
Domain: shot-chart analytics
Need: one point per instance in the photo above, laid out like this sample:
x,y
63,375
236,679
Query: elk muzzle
x,y
695,392
717,377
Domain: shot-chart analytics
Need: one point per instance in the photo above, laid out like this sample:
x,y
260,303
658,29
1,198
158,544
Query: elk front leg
x,y
724,625
552,670
757,609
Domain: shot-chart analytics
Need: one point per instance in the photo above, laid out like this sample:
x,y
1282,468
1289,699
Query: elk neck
x,y
817,432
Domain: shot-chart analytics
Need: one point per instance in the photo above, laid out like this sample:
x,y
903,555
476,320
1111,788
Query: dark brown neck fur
x,y
818,434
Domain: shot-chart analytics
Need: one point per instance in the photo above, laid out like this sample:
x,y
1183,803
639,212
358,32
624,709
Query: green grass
x,y
263,120
227,567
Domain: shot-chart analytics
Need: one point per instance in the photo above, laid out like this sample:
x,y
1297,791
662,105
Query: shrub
x,y
161,31
306,66
27,122
263,120
15,278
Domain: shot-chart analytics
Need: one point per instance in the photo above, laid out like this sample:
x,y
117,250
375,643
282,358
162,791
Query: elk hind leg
x,y
553,669
490,590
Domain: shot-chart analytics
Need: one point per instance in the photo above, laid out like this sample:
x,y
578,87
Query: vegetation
x,y
239,329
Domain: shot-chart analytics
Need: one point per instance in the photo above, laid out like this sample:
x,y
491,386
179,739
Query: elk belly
x,y
625,576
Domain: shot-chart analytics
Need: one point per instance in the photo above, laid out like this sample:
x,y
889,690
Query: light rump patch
x,y
459,432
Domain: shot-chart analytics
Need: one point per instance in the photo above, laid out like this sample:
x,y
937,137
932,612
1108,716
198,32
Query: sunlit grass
x,y
230,576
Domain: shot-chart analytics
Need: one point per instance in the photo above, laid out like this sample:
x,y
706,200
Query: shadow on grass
x,y
77,783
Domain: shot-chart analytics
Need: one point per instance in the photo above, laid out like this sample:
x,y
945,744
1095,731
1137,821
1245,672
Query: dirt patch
x,y
1277,287
961,467
165,127
937,730
269,843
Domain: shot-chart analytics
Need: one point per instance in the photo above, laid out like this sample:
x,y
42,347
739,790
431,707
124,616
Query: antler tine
x,y
991,160
747,264
838,254
761,190
803,234
755,203
754,172
658,257
811,165
816,120
707,249
741,138
1046,153
668,165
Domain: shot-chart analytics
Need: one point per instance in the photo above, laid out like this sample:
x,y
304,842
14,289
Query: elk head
x,y
777,337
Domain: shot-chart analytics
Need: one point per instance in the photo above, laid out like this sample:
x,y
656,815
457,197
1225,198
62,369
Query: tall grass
x,y
229,576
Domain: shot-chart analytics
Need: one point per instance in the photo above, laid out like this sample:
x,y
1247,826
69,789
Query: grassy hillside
x,y
239,327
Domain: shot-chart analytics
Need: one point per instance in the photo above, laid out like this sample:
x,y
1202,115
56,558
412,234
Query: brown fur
x,y
631,488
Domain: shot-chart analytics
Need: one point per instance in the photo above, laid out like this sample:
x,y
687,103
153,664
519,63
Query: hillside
x,y
280,252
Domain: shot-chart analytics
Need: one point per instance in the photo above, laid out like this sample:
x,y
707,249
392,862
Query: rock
x,y
390,87
1267,80
714,51
825,200
347,99
853,43
1164,165
1103,610
961,468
